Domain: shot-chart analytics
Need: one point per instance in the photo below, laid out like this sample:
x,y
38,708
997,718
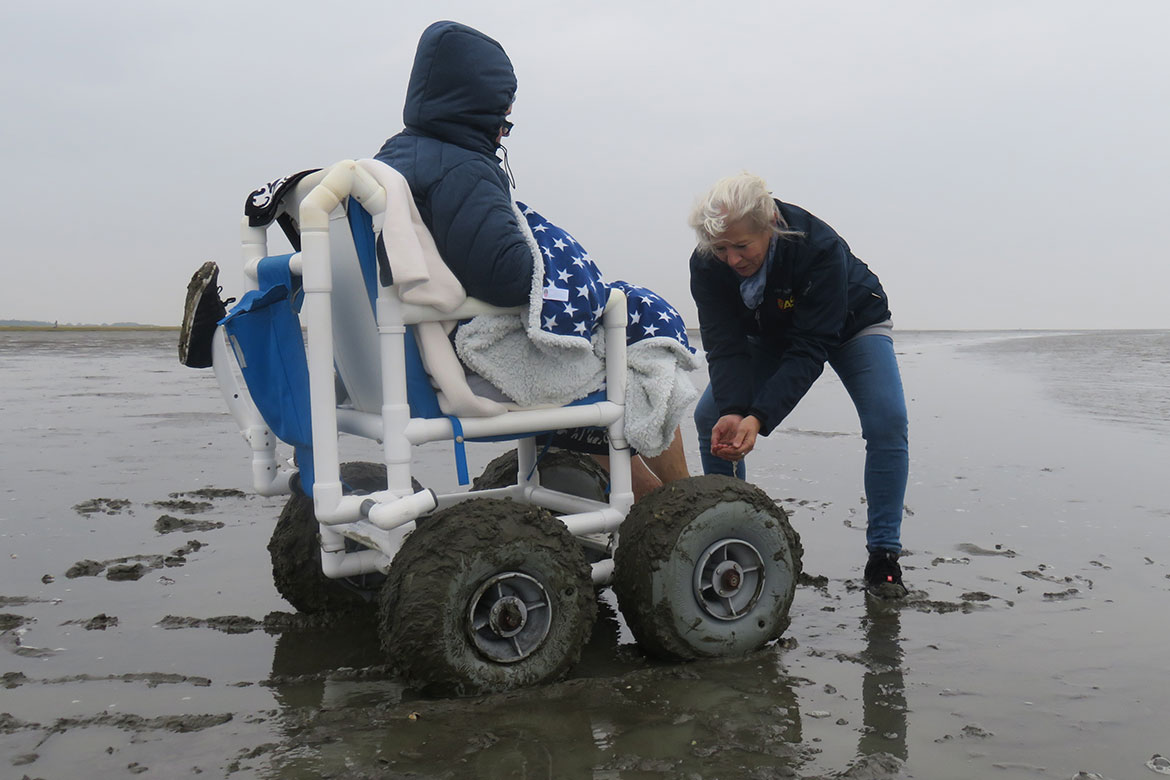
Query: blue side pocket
x,y
264,330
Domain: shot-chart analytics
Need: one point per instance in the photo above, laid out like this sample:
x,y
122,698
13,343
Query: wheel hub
x,y
508,617
729,578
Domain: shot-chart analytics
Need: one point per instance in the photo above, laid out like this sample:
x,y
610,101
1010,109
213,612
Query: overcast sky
x,y
998,163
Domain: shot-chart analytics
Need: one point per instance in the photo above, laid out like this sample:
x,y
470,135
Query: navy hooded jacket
x,y
817,296
461,87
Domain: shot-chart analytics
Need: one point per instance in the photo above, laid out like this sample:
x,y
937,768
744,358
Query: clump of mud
x,y
819,581
229,624
183,505
273,622
107,506
85,568
181,724
10,725
920,601
151,679
970,731
125,572
875,766
974,549
132,567
169,523
99,622
9,621
24,601
1062,595
210,492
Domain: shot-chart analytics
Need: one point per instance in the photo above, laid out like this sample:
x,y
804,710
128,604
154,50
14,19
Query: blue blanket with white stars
x,y
574,292
554,353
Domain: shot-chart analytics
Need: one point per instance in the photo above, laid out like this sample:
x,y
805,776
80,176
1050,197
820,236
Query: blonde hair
x,y
743,196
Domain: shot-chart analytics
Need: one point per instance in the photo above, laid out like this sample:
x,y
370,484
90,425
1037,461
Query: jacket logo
x,y
784,304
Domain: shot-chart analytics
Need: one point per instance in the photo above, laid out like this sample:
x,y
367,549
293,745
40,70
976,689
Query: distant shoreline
x,y
73,328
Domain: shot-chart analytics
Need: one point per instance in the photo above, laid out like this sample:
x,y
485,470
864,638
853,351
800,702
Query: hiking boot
x,y
201,315
883,575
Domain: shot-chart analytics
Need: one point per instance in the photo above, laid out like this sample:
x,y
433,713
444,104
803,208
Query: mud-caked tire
x,y
569,472
706,568
486,596
295,550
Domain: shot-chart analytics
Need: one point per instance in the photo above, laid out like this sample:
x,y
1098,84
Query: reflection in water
x,y
621,716
882,687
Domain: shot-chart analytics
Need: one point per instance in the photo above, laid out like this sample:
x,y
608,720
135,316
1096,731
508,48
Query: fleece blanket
x,y
555,354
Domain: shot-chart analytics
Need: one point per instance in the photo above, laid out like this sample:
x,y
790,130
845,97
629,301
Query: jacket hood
x,y
461,86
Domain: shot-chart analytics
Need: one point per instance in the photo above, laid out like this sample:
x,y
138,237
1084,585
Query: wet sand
x,y
140,634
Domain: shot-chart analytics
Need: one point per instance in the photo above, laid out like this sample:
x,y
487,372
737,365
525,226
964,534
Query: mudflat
x,y
141,635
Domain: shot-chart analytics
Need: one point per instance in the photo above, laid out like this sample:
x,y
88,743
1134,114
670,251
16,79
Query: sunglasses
x,y
507,128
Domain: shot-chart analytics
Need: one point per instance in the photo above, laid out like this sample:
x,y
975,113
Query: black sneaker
x,y
201,315
883,575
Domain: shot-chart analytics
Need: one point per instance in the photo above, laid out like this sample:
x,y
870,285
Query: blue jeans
x,y
868,368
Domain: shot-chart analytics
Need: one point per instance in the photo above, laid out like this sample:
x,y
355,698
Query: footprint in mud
x,y
106,506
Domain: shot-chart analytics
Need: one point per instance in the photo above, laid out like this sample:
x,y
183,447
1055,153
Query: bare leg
x,y
671,463
644,480
649,474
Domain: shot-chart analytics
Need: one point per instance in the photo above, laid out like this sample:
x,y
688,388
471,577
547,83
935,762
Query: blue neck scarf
x,y
751,289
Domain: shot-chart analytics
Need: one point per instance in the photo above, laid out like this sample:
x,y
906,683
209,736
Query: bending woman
x,y
779,294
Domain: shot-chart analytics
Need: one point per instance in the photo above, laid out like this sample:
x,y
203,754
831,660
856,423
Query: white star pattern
x,y
567,262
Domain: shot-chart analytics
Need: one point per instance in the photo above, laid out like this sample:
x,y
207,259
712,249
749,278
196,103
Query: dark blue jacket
x,y
461,87
817,296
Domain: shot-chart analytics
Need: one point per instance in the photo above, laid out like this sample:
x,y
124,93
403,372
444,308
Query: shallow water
x,y
1033,645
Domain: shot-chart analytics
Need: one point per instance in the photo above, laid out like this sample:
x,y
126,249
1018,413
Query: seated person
x,y
461,90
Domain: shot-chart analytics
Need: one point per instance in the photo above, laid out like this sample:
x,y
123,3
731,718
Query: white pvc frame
x,y
381,520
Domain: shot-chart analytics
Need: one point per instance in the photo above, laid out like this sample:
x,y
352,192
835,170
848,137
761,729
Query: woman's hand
x,y
734,436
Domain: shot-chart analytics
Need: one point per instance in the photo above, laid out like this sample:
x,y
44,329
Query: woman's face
x,y
743,247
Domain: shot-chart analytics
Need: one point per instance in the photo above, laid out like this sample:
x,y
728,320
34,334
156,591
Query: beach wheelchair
x,y
476,590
